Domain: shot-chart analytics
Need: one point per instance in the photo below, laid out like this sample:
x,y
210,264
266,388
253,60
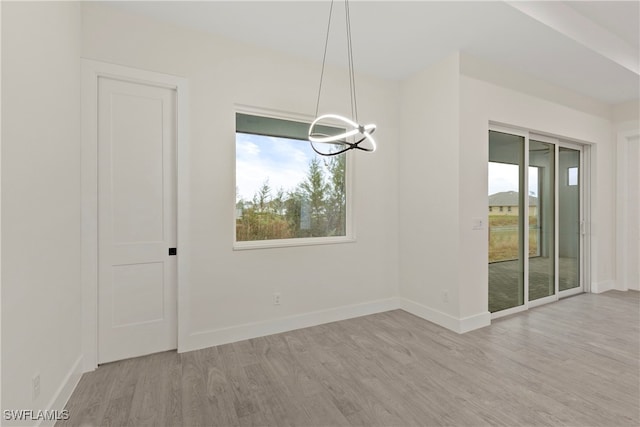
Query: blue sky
x,y
284,161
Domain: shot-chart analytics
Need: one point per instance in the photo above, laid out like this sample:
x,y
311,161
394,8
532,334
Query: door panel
x,y
136,146
569,218
541,220
138,293
506,239
136,219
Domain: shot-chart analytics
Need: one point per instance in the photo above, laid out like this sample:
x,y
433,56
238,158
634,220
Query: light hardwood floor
x,y
574,362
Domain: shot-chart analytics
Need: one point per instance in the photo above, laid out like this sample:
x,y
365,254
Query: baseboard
x,y
603,286
62,395
204,339
452,323
620,285
430,314
471,323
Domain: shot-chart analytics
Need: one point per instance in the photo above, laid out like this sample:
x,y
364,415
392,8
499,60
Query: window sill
x,y
285,243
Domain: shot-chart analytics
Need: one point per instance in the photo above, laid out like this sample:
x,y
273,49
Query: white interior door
x,y
137,277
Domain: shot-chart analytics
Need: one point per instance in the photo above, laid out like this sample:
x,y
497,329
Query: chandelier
x,y
355,136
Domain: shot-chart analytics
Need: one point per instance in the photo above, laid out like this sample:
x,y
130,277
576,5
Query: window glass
x,y
284,190
572,176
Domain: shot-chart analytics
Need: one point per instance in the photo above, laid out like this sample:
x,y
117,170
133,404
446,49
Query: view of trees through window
x,y
285,190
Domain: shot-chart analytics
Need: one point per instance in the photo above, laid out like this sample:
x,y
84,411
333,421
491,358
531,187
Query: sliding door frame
x,y
584,213
582,182
524,176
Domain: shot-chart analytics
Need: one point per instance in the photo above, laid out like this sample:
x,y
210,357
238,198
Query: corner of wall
x,y
429,172
481,69
626,115
455,324
602,286
41,141
63,392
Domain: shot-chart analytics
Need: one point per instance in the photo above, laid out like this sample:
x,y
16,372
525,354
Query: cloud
x,y
246,148
504,177
284,162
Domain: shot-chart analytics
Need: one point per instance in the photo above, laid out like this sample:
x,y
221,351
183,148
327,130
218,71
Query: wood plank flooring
x,y
574,362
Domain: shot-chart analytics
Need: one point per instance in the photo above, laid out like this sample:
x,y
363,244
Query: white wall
x,y
231,291
628,210
626,129
1,210
633,236
445,116
626,116
40,202
429,204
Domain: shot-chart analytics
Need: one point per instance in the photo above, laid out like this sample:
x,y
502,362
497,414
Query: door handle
x,y
173,251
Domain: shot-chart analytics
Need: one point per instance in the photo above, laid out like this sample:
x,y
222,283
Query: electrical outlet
x,y
276,298
35,384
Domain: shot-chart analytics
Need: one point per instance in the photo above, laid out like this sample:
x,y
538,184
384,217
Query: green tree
x,y
314,188
262,219
277,204
262,198
336,203
293,212
316,207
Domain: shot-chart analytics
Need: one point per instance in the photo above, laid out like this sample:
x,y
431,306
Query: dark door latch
x,y
173,251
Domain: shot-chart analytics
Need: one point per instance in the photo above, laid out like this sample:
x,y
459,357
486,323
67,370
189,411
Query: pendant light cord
x,y
324,57
352,78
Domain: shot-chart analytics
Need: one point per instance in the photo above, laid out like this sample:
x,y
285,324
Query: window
x,y
286,194
509,209
572,176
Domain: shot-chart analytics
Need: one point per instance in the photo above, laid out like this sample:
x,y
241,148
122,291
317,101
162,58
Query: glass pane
x,y
568,218
284,190
541,220
506,250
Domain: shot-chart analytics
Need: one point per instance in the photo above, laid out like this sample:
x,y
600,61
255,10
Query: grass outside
x,y
503,237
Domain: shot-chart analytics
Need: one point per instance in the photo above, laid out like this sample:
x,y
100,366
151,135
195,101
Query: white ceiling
x,y
590,47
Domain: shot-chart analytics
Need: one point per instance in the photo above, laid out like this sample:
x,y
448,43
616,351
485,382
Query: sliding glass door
x,y
541,220
506,236
569,218
537,207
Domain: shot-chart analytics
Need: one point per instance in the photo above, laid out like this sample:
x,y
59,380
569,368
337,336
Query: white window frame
x,y
349,237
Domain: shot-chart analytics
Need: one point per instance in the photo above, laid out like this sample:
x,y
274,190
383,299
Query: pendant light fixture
x,y
354,133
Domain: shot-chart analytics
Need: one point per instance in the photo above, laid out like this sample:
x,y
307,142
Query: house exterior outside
x,y
507,203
